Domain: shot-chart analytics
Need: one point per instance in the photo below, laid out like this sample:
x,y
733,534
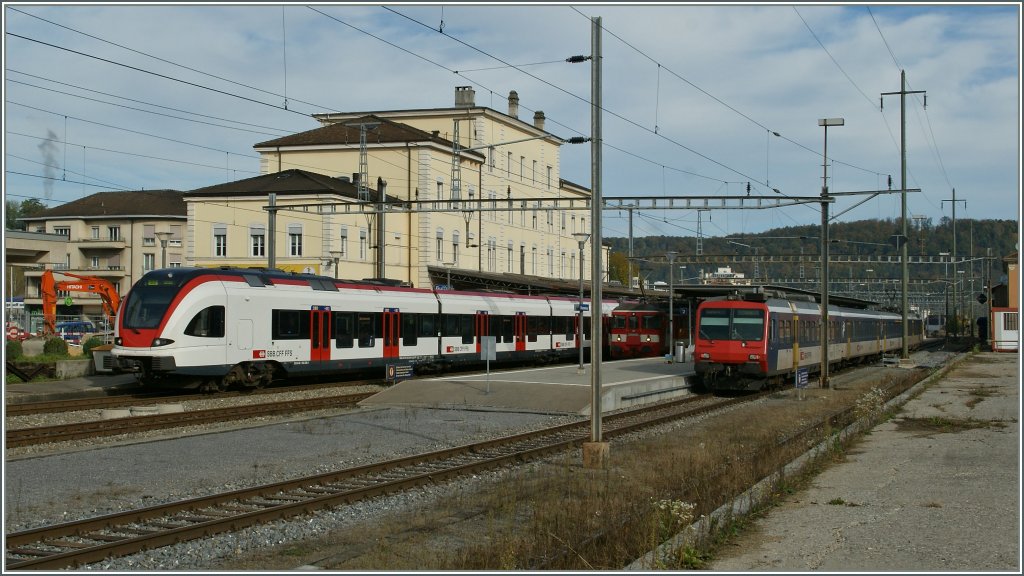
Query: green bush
x,y
89,344
56,347
14,350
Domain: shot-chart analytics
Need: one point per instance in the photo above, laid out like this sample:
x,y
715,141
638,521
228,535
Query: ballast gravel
x,y
94,477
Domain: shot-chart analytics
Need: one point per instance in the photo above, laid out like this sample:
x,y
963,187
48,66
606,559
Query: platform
x,y
560,389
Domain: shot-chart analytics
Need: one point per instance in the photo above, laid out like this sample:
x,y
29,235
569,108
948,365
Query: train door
x,y
320,334
519,327
481,327
392,332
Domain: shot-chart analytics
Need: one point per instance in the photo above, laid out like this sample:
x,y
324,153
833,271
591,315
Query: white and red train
x,y
214,328
758,340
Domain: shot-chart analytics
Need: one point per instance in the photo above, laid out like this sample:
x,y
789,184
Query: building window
x,y
551,263
439,245
362,244
522,167
95,262
62,231
220,240
535,205
343,242
494,205
563,220
561,266
549,177
440,193
257,240
114,233
492,254
508,165
455,246
522,214
295,240
490,159
148,262
574,223
533,175
511,259
533,260
95,232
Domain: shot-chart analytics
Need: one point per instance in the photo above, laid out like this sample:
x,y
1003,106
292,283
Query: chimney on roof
x,y
435,133
355,177
538,120
344,178
464,97
513,104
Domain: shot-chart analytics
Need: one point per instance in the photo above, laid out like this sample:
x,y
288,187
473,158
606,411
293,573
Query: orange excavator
x,y
49,287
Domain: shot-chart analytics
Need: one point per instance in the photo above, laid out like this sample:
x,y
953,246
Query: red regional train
x,y
214,328
758,340
640,329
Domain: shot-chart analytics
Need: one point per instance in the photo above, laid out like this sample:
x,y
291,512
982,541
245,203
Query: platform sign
x,y
583,307
801,378
399,372
488,348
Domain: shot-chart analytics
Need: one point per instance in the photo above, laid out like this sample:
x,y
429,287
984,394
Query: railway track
x,y
94,539
97,428
133,399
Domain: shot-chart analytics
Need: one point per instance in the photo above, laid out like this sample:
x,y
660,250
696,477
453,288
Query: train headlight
x,y
161,342
618,337
754,357
648,338
705,356
117,341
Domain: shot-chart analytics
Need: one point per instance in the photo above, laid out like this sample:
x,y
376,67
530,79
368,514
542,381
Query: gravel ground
x,y
155,468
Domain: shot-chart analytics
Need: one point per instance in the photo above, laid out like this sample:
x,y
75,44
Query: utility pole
x,y
956,312
905,353
596,452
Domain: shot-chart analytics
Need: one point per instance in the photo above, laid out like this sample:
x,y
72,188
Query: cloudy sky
x,y
115,97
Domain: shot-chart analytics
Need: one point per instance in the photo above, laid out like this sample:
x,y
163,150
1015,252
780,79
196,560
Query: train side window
x,y
343,330
365,329
428,326
467,328
586,327
208,323
507,331
533,328
289,324
410,332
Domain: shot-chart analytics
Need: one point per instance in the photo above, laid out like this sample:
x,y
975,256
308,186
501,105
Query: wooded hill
x,y
863,237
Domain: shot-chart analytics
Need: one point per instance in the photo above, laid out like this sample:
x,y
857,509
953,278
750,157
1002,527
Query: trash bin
x,y
680,352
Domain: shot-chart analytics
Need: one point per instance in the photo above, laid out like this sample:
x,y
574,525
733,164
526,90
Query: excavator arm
x,y
49,286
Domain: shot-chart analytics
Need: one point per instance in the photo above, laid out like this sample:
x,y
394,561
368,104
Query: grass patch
x,y
939,425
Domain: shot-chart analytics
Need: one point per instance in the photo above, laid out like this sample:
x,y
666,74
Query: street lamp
x,y
449,266
825,123
671,296
164,237
581,238
336,257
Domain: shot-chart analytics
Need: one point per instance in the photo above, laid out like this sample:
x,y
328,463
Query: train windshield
x,y
148,300
731,324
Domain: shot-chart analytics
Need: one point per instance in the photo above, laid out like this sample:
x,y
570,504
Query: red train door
x,y
481,327
320,334
392,331
519,327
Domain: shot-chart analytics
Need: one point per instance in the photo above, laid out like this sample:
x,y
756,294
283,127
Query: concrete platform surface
x,y
98,385
935,488
560,389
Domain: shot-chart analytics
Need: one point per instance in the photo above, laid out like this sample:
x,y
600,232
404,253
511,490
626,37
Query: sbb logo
x,y
258,354
450,349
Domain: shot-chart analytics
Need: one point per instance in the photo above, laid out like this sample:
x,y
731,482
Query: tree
x,y
16,210
618,267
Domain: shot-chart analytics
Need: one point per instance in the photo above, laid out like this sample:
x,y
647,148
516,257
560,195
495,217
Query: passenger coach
x,y
213,328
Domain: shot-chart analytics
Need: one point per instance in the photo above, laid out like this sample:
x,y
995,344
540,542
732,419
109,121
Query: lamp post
x,y
581,238
164,237
671,254
448,266
336,258
825,123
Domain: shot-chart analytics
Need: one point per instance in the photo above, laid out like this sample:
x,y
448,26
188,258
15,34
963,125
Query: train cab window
x,y
344,330
618,321
289,324
652,322
208,323
747,324
714,324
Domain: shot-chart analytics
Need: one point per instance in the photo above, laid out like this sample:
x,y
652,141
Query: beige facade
x,y
507,213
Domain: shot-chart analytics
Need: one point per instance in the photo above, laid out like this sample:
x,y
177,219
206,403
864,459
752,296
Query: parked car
x,y
72,331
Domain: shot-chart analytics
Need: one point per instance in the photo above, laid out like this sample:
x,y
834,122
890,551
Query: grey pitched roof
x,y
286,182
387,131
119,204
